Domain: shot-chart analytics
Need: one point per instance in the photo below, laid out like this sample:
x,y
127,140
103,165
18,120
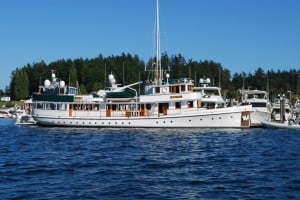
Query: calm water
x,y
67,163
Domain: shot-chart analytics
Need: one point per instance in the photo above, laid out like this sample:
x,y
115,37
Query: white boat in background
x,y
278,125
281,109
292,122
261,106
283,116
23,116
25,119
4,113
168,104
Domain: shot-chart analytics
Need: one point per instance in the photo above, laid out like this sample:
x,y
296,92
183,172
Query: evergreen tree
x,y
82,89
20,84
73,76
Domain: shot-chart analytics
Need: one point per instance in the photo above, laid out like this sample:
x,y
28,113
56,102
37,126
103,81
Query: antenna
x,y
157,72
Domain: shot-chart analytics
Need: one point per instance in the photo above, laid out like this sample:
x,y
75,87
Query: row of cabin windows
x,y
84,107
50,106
176,89
128,107
117,107
58,106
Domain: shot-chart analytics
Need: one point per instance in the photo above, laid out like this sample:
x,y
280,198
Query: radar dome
x,y
62,83
47,83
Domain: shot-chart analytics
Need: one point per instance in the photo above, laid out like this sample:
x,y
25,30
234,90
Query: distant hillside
x,y
91,74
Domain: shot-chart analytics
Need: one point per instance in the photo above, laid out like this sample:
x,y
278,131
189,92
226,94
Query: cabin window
x,y
254,104
177,105
157,90
61,107
190,88
114,107
220,105
141,107
50,106
177,89
122,107
171,89
190,104
148,106
208,105
40,106
183,88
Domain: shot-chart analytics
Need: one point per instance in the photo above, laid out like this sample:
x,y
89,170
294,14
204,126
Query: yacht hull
x,y
217,118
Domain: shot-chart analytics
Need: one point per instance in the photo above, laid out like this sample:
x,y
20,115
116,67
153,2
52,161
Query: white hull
x,y
25,119
257,117
233,117
285,125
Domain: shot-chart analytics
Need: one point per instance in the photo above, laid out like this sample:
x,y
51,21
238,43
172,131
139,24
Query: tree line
x,y
92,75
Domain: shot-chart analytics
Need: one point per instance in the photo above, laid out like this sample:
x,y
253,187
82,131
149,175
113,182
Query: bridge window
x,y
177,105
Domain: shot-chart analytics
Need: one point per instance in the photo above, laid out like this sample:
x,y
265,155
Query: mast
x,y
157,70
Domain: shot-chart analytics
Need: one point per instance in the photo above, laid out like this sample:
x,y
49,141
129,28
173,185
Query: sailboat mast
x,y
157,71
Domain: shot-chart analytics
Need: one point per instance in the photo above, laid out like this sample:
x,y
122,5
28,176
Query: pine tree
x,y
73,76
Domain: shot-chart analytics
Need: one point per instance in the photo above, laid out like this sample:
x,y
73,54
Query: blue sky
x,y
242,35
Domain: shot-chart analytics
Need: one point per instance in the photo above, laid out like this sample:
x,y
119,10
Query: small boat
x,y
285,125
25,119
280,109
5,114
23,116
279,119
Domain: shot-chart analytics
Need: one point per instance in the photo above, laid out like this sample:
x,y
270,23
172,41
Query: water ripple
x,y
68,163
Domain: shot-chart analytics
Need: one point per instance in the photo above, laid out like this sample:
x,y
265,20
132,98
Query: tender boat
x,y
293,122
281,108
283,116
25,119
285,125
23,116
164,103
